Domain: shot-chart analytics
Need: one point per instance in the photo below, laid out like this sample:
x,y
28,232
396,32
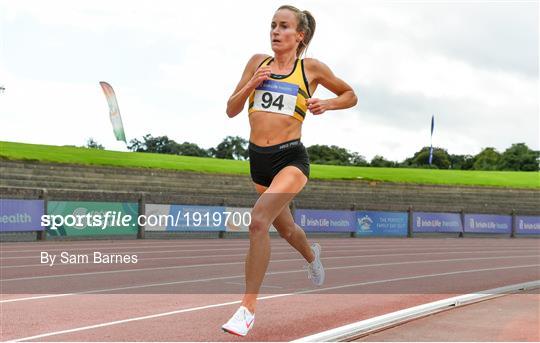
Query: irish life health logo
x,y
365,223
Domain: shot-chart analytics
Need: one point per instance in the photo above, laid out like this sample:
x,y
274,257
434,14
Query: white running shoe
x,y
315,269
240,323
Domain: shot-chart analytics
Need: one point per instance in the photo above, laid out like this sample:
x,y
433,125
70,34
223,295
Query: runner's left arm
x,y
322,75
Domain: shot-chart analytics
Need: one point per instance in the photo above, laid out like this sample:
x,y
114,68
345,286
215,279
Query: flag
x,y
116,120
431,147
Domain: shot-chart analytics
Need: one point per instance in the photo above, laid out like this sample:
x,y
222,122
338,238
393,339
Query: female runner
x,y
279,89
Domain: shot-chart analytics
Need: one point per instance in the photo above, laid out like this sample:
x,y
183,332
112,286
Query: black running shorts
x,y
266,162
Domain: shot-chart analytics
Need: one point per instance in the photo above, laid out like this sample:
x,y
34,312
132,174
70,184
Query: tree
x,y
379,161
421,159
487,159
461,162
334,155
519,157
358,160
93,144
160,145
137,145
233,148
192,149
164,145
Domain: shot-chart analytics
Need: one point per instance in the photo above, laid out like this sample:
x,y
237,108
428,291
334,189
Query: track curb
x,y
364,327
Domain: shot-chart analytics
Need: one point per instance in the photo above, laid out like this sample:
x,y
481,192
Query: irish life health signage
x,y
21,215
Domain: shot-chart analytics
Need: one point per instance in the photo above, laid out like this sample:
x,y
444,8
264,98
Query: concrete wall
x,y
73,182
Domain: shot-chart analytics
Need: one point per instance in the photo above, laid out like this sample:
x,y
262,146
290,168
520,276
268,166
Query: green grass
x,y
66,154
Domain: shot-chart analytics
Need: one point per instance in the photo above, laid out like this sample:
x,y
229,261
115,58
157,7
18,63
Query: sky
x,y
174,64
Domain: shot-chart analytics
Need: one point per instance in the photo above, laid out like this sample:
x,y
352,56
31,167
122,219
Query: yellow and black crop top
x,y
283,94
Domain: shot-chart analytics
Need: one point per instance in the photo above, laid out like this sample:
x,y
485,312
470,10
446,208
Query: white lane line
x,y
41,297
243,247
287,247
218,242
115,271
242,284
221,278
67,247
83,328
168,243
292,252
180,241
112,247
126,243
142,318
165,243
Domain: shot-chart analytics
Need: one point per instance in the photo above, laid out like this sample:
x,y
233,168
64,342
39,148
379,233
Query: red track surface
x,y
509,318
196,285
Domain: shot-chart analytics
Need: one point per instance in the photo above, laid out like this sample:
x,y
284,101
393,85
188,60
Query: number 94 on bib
x,y
276,96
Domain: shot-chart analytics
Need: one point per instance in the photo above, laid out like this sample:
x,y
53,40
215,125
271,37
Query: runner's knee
x,y
258,225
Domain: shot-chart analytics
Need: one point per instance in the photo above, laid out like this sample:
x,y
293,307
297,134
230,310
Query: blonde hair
x,y
305,23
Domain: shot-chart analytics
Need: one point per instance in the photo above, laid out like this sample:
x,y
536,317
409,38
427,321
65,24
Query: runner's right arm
x,y
251,78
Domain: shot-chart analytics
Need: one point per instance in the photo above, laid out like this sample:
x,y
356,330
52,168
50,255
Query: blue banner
x,y
528,225
487,223
370,223
437,222
325,220
21,215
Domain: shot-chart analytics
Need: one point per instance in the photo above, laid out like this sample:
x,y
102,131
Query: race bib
x,y
275,96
